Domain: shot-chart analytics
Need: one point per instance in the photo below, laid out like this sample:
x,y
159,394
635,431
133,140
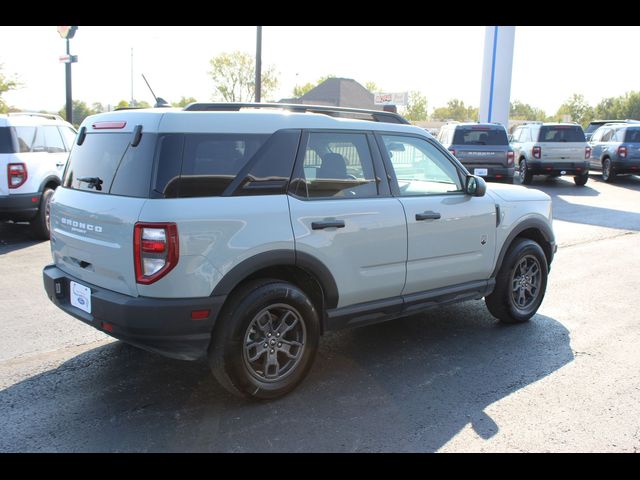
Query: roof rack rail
x,y
50,116
343,112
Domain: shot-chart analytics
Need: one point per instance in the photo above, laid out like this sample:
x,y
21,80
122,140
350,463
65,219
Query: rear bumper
x,y
20,207
159,325
493,171
558,168
626,166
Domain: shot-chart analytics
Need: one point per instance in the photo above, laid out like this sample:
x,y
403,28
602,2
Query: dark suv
x,y
481,147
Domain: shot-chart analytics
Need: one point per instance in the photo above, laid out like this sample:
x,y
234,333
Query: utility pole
x,y
131,102
258,63
67,33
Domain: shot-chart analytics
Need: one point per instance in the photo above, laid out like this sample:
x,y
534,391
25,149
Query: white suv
x,y
241,233
34,148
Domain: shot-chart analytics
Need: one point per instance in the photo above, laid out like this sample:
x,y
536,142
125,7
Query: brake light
x,y
510,157
453,151
155,250
536,152
16,174
587,152
108,125
622,152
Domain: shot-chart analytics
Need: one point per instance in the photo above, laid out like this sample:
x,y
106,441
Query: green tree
x,y
577,108
524,111
122,104
79,111
97,107
300,90
455,110
618,108
233,76
6,85
141,104
372,87
416,109
184,101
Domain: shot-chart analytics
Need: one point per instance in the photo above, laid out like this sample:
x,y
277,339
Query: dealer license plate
x,y
80,296
482,172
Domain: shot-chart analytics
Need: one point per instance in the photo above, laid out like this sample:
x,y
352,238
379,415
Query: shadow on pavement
x,y
15,236
406,385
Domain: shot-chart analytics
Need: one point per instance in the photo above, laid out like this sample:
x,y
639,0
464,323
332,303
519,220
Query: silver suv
x,y
553,149
241,233
33,152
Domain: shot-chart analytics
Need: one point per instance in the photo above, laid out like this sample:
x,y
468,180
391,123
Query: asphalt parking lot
x,y
450,380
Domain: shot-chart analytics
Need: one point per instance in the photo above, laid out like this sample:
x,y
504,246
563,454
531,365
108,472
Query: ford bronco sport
x,y
241,233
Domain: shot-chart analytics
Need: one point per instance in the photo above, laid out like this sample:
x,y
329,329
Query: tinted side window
x,y
212,161
420,167
25,137
632,135
6,140
69,137
53,140
337,165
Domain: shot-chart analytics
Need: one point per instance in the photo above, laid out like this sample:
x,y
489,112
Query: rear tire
x,y
608,175
40,225
581,180
520,284
526,177
264,312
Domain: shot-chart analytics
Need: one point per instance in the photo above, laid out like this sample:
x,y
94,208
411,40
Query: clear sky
x,y
550,63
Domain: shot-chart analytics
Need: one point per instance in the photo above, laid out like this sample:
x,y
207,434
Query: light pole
x,y
67,33
258,63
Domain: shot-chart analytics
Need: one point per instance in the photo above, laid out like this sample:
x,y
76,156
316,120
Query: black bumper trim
x,y
161,325
492,170
555,168
19,206
622,167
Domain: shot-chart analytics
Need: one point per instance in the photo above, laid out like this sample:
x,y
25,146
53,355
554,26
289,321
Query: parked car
x,y
553,149
241,233
483,148
595,124
615,150
33,152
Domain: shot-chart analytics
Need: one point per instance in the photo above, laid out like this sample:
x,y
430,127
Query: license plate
x,y
80,296
482,172
563,172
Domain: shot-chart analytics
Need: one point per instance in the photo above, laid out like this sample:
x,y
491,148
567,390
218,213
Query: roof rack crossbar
x,y
356,113
50,116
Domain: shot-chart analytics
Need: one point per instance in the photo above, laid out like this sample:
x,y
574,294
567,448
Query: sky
x,y
549,64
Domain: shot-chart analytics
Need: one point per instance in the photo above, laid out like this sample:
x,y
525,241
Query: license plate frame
x,y
80,296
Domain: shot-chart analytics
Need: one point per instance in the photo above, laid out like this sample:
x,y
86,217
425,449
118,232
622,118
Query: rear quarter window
x,y
632,136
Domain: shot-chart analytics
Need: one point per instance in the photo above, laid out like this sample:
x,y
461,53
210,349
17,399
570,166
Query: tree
x,y
416,110
372,87
97,107
79,112
524,111
618,108
122,104
455,110
299,91
184,101
6,84
577,108
233,76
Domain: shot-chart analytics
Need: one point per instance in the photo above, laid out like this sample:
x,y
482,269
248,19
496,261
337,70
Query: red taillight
x,y
510,157
536,152
155,250
622,152
200,314
587,152
108,125
453,151
16,174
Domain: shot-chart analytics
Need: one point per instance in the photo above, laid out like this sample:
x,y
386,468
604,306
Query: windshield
x,y
480,136
561,133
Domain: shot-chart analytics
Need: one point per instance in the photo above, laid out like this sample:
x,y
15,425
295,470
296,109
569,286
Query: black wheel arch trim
x,y
48,180
277,258
527,224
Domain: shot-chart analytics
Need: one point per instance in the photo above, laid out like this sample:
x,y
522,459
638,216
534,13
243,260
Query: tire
x,y
254,371
526,177
608,174
581,180
40,224
523,256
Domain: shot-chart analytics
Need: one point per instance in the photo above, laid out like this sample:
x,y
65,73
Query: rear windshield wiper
x,y
93,182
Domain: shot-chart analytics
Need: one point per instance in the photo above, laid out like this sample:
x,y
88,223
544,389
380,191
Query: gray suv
x,y
241,233
615,150
483,148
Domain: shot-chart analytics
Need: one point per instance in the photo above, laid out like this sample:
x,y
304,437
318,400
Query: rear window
x,y
561,133
6,140
106,163
480,136
632,136
592,127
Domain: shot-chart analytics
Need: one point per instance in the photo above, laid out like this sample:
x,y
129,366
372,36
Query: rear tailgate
x,y
92,237
481,144
483,154
562,143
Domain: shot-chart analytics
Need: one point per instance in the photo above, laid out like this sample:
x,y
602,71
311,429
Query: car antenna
x,y
160,102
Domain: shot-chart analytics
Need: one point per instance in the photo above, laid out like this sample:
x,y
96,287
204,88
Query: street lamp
x,y
67,33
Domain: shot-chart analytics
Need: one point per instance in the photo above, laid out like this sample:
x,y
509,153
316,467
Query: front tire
x,y
265,341
520,284
40,225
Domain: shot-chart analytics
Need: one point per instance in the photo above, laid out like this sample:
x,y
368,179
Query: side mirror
x,y
475,186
